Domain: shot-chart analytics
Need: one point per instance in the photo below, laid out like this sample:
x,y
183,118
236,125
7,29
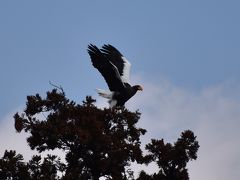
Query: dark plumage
x,y
116,71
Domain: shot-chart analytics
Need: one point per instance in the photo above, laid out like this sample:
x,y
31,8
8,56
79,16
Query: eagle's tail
x,y
109,95
105,93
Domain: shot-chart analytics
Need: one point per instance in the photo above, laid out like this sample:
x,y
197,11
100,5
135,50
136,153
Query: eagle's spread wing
x,y
107,68
122,64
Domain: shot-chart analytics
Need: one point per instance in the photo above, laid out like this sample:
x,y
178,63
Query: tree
x,y
172,159
98,142
11,166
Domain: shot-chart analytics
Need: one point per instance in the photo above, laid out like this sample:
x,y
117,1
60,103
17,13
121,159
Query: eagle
x,y
115,69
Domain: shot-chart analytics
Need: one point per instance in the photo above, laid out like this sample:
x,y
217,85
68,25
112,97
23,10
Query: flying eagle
x,y
115,69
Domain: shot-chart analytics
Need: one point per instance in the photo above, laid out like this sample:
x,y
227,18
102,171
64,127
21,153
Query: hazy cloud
x,y
212,113
11,140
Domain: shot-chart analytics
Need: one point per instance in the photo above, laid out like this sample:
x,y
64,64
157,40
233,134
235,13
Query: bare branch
x,y
57,87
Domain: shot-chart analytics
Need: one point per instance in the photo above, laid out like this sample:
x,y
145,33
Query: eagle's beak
x,y
140,88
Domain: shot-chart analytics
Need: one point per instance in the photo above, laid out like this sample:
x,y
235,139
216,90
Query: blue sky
x,y
175,47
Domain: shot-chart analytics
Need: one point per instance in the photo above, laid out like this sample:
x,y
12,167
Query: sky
x,y
186,54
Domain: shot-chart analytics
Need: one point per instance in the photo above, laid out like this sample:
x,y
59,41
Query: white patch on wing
x,y
126,71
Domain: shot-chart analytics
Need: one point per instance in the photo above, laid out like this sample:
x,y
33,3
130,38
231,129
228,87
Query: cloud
x,y
167,110
11,140
212,113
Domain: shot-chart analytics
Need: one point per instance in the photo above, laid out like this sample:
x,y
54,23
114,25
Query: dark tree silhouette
x,y
97,143
172,159
11,166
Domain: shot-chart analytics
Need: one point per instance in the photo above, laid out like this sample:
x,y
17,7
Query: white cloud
x,y
11,140
213,114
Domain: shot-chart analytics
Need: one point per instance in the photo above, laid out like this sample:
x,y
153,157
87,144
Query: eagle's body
x,y
116,71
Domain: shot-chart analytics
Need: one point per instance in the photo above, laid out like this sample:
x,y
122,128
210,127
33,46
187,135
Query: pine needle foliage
x,y
97,143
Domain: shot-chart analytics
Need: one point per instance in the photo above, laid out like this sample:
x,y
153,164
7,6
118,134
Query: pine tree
x,y
97,142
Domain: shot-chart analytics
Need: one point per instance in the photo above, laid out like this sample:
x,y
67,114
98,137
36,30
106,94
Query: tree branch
x,y
57,87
